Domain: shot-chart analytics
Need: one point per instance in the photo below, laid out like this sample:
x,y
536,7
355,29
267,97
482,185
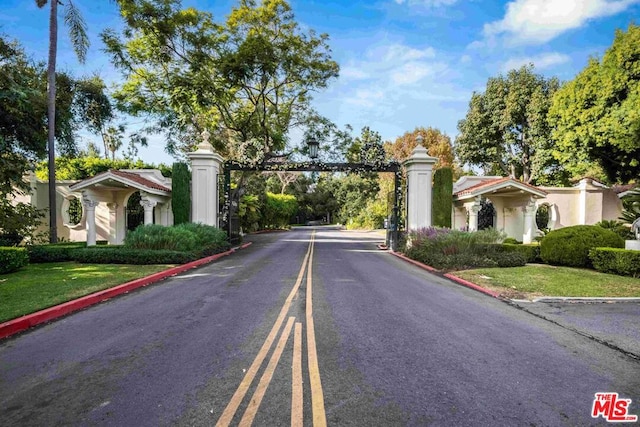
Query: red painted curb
x,y
472,285
448,276
416,263
27,321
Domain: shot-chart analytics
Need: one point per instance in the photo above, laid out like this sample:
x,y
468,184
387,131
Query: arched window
x,y
71,211
135,211
487,214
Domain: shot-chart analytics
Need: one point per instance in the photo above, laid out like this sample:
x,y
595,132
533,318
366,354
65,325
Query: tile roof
x,y
494,182
140,180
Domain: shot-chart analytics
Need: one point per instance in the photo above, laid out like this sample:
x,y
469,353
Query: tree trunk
x,y
51,119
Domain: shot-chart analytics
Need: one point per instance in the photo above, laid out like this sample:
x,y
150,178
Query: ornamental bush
x,y
209,240
530,252
12,259
157,237
122,255
570,246
615,260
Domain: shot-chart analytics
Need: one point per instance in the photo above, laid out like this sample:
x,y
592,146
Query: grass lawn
x,y
38,286
536,280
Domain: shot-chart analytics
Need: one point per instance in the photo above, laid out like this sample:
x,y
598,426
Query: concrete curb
x,y
448,276
27,321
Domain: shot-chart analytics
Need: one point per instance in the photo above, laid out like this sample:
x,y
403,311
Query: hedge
x,y
531,253
181,193
442,197
617,261
121,255
12,259
58,252
570,246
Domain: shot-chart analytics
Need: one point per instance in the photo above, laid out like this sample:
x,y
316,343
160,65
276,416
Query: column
x,y
90,207
530,227
205,167
148,206
473,210
419,168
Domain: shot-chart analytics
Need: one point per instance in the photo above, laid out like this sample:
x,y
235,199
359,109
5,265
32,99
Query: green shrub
x,y
157,237
617,261
512,241
447,249
12,259
181,193
58,252
209,240
531,253
509,259
442,197
570,246
122,255
278,209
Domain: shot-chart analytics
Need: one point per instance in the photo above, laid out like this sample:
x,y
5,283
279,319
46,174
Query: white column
x,y
90,207
419,168
148,206
530,227
473,210
205,168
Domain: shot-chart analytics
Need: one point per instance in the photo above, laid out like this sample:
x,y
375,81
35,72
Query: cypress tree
x,y
442,197
181,193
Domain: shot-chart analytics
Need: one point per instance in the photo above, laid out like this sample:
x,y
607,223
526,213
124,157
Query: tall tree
x,y
80,43
596,116
505,130
248,80
438,145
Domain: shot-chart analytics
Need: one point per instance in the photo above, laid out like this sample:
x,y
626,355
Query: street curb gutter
x,y
25,322
448,276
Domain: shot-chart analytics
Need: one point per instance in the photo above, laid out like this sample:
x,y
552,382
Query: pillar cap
x,y
420,156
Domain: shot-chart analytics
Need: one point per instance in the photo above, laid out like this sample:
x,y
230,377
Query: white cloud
x,y
353,73
538,21
541,62
410,73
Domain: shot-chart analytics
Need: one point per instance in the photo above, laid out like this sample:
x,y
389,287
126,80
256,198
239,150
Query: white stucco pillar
x,y
419,168
90,207
205,167
473,209
148,206
530,227
117,223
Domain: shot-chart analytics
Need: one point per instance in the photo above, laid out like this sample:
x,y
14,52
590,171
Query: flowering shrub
x,y
444,248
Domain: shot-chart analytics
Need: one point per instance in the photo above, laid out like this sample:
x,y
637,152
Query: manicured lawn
x,y
535,280
39,286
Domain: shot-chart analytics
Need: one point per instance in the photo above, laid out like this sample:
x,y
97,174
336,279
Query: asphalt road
x,y
365,340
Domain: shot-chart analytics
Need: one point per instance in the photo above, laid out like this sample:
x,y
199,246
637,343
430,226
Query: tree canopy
x,y
505,130
247,79
596,116
437,144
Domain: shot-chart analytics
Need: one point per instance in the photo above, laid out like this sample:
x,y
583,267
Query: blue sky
x,y
404,63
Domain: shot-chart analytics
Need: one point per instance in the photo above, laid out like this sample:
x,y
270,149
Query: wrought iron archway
x,y
230,224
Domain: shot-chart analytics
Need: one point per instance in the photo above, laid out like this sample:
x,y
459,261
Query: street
x,y
312,326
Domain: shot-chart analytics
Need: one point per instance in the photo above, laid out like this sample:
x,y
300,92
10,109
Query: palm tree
x,y
80,42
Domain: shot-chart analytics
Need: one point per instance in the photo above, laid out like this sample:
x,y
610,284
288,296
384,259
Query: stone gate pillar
x,y
205,167
419,168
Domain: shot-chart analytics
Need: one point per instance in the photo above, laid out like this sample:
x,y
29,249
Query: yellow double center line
x,y
317,397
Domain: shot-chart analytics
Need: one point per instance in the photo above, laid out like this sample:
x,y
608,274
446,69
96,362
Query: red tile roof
x,y
493,182
140,180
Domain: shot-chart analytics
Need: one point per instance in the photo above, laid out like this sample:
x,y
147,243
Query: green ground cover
x,y
38,286
536,280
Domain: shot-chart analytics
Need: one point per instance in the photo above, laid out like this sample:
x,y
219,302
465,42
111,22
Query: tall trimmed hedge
x,y
278,209
617,261
181,193
570,246
442,197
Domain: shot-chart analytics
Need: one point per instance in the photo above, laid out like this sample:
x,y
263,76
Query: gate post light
x,y
313,147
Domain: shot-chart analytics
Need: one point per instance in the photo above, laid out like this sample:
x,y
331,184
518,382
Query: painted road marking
x,y
317,396
238,396
254,404
296,378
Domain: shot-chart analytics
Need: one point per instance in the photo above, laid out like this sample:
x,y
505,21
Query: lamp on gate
x,y
313,147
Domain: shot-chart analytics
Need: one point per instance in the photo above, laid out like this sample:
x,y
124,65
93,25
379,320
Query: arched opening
x,y
135,211
543,215
487,215
71,211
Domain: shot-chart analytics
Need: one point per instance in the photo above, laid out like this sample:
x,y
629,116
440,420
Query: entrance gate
x,y
229,219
